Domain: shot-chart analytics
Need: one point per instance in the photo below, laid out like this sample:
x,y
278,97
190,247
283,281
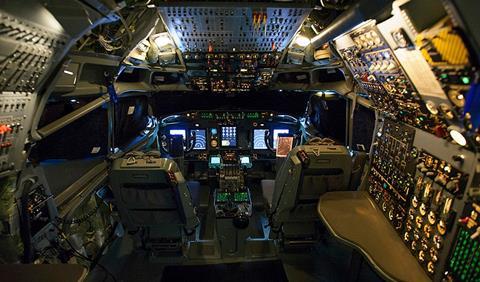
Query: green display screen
x,y
236,197
240,197
223,197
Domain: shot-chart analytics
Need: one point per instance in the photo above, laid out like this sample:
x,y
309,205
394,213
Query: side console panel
x,y
28,50
419,73
420,183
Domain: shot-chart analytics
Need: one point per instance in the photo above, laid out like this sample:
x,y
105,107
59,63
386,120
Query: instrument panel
x,y
216,131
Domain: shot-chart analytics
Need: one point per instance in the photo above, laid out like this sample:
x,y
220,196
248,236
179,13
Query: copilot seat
x,y
153,200
308,172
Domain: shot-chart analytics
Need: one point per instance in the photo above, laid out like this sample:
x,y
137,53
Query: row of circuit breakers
x,y
26,53
424,82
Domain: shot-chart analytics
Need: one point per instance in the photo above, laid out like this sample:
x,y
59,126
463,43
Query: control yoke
x,y
189,144
191,141
267,140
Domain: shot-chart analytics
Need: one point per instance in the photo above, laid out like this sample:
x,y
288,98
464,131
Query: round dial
x,y
214,143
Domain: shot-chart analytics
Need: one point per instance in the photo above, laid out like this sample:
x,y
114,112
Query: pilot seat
x,y
153,201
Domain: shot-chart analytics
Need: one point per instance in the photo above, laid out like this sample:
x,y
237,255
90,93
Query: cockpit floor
x,y
269,271
327,261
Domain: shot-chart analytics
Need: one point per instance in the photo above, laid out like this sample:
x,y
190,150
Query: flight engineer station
x,y
247,140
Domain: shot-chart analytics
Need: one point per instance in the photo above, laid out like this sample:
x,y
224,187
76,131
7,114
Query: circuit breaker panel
x,y
27,52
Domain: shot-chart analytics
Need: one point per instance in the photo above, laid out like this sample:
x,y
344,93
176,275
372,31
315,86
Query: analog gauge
x,y
421,256
431,267
437,240
423,209
434,255
419,222
413,246
431,107
442,227
427,230
432,218
214,143
414,201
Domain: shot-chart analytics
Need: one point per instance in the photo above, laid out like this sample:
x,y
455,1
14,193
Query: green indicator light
x,y
443,75
465,80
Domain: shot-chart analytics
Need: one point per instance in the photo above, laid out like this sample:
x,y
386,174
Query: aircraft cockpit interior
x,y
266,140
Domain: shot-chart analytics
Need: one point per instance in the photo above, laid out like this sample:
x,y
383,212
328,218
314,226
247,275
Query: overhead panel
x,y
230,29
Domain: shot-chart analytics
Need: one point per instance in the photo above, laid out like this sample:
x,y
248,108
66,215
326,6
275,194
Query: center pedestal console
x,y
232,202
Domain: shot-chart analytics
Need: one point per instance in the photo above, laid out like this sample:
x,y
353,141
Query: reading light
x,y
326,94
162,40
302,41
457,136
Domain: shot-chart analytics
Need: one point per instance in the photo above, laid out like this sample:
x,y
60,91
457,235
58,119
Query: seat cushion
x,y
268,185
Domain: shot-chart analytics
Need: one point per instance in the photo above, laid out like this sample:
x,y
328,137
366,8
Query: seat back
x,y
308,172
151,193
329,169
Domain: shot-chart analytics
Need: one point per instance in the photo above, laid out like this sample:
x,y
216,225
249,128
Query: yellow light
x,y
302,41
163,40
